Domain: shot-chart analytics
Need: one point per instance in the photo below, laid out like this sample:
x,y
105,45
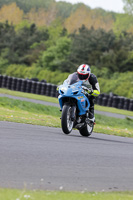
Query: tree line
x,y
51,53
44,13
54,49
42,39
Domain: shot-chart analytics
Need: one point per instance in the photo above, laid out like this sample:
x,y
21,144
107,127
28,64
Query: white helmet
x,y
83,71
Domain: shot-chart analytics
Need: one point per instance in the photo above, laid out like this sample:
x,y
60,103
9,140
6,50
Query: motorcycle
x,y
74,105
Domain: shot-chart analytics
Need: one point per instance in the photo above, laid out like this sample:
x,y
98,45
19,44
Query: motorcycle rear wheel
x,y
86,131
66,122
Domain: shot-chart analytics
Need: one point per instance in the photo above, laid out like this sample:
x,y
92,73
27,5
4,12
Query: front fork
x,y
73,113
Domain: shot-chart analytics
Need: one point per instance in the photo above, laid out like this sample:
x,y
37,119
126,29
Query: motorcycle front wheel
x,y
66,122
86,131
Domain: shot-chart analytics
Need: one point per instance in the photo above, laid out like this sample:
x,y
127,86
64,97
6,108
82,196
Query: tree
x,y
88,45
55,31
87,17
64,9
128,6
41,16
20,47
55,56
102,49
124,22
26,6
11,13
7,32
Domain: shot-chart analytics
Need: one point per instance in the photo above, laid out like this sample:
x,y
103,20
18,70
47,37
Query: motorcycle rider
x,y
91,85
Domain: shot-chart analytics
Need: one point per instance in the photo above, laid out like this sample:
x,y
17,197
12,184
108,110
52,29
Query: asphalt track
x,y
37,157
57,105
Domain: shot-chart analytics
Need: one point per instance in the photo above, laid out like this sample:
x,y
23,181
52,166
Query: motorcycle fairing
x,y
74,91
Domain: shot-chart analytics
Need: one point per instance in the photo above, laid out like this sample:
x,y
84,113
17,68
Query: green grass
x,y
29,95
29,106
28,113
31,113
113,126
114,110
13,194
55,100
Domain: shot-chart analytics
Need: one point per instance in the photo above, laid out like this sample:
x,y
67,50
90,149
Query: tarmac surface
x,y
38,157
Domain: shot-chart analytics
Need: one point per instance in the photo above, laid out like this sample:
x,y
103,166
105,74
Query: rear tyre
x,y
86,131
66,122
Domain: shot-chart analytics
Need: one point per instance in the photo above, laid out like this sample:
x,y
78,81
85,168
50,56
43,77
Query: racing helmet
x,y
83,72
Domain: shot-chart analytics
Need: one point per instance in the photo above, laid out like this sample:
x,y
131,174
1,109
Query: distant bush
x,y
22,71
52,77
120,84
3,65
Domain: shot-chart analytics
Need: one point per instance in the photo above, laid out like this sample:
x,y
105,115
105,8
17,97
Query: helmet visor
x,y
83,76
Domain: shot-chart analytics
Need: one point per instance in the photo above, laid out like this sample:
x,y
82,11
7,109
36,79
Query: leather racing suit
x,y
92,84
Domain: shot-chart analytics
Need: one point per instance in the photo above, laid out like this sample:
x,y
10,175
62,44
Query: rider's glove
x,y
95,93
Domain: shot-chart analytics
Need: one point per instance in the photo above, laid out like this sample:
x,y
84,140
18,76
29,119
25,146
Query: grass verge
x,y
13,194
29,95
37,114
55,100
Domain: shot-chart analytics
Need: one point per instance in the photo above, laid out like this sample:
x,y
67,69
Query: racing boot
x,y
91,114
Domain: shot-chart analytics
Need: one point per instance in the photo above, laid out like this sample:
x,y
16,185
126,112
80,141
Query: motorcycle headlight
x,y
63,89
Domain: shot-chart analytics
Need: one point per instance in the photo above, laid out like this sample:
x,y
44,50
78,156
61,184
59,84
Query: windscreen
x,y
72,78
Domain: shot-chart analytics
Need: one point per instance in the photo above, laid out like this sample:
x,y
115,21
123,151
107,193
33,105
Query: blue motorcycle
x,y
74,105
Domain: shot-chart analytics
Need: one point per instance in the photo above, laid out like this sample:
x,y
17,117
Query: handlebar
x,y
86,90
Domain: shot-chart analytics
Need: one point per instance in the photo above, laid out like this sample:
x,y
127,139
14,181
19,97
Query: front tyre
x,y
66,122
86,131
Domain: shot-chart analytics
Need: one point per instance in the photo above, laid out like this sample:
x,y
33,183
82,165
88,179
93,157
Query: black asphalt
x,y
57,105
37,157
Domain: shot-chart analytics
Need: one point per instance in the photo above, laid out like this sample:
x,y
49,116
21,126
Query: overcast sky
x,y
109,5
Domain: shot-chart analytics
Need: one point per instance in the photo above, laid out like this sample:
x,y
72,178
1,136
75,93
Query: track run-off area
x,y
108,114
38,157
